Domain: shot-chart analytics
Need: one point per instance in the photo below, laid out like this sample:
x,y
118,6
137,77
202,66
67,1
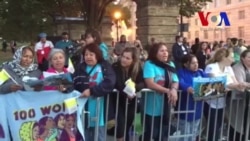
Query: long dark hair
x,y
187,59
135,66
95,34
93,47
200,47
154,50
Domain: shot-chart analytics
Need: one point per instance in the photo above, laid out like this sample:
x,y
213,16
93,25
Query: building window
x,y
189,35
228,1
216,34
196,34
227,33
189,21
242,14
196,21
205,32
241,31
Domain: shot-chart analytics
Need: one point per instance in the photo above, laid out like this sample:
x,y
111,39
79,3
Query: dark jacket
x,y
178,53
195,48
119,86
121,79
81,80
202,58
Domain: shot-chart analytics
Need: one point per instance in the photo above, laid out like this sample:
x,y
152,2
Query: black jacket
x,y
121,79
202,57
178,53
81,80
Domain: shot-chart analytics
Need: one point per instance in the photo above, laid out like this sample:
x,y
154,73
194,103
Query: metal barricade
x,y
174,127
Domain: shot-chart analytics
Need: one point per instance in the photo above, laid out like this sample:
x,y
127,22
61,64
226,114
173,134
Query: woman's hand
x,y
85,93
190,90
15,87
241,87
131,96
61,88
173,97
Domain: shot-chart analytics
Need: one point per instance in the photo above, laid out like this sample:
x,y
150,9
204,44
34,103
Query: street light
x,y
117,16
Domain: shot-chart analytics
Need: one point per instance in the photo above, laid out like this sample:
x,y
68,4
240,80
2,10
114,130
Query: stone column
x,y
155,19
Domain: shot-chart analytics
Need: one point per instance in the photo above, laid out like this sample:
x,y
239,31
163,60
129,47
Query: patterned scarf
x,y
17,68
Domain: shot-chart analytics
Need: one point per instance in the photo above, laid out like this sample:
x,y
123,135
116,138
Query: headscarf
x,y
26,131
16,66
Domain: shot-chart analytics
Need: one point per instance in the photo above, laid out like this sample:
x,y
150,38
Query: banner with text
x,y
41,116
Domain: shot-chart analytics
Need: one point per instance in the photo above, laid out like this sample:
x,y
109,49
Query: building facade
x,y
238,13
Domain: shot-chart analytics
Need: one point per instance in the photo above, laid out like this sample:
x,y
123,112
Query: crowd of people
x,y
214,60
98,71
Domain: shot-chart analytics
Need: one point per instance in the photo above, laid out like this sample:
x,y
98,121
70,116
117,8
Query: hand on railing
x,y
190,90
131,96
241,87
173,97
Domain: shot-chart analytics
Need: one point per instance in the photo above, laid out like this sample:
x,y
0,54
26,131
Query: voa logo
x,y
214,19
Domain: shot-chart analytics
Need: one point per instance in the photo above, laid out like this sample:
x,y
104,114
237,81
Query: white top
x,y
40,45
215,70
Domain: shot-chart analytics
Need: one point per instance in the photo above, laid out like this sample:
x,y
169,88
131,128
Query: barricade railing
x,y
184,122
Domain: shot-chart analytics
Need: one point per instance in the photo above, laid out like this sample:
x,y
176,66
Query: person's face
x,y
58,61
193,66
90,58
70,122
204,46
228,41
43,39
89,39
123,39
50,123
126,59
61,122
180,40
246,60
35,132
27,58
65,37
162,54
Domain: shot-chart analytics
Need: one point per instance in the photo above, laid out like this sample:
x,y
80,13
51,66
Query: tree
x,y
94,11
25,18
189,7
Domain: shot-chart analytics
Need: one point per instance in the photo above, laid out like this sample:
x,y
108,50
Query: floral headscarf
x,y
26,131
16,66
